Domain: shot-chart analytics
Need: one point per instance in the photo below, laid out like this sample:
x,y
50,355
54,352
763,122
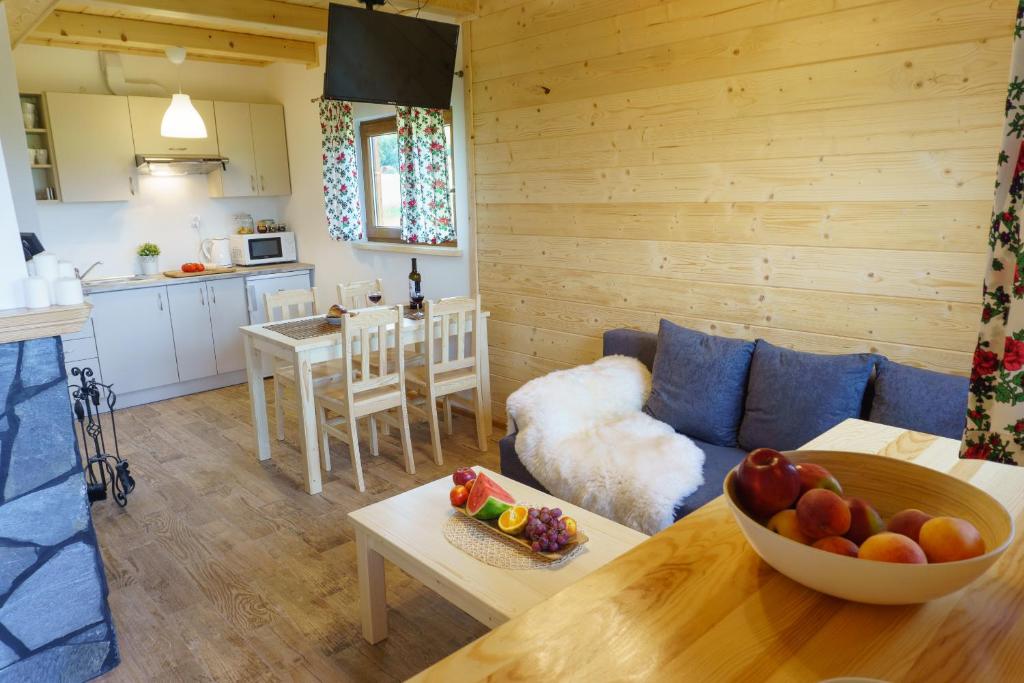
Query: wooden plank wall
x,y
818,173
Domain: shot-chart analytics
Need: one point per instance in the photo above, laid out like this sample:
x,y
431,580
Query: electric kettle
x,y
216,252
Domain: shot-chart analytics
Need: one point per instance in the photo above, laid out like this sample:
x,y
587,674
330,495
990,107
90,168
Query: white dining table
x,y
303,354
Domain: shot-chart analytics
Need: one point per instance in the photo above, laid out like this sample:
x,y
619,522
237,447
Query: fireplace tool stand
x,y
102,469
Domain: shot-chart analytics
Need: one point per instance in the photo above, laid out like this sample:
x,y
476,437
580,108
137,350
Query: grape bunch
x,y
546,530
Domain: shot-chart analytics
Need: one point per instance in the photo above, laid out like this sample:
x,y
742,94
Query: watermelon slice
x,y
487,500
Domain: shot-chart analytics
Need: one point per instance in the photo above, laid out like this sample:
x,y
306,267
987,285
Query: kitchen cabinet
x,y
193,335
147,113
229,311
271,149
134,338
92,145
234,132
252,137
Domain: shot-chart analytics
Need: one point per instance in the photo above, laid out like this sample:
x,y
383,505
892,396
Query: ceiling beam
x,y
142,52
258,14
114,33
23,16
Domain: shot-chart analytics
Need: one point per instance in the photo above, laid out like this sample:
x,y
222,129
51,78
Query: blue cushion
x,y
793,396
921,400
698,383
718,460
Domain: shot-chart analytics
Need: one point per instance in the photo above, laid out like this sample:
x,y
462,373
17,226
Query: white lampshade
x,y
181,120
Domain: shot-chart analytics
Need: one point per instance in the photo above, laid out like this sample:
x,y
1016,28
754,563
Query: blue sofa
x,y
895,394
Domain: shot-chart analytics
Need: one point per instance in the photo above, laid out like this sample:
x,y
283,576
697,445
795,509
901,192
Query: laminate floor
x,y
223,568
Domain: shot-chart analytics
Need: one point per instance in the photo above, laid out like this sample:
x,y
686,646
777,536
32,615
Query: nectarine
x,y
890,547
864,520
908,522
947,539
816,477
784,523
822,513
837,545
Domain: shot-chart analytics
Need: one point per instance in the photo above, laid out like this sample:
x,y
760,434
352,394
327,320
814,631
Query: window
x,y
381,191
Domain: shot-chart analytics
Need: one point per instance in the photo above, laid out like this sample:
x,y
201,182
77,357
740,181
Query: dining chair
x,y
354,294
366,389
285,305
451,365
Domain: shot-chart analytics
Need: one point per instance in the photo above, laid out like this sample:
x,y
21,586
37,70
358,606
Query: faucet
x,y
88,270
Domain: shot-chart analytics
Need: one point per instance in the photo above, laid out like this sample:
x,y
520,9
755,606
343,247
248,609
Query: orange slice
x,y
513,520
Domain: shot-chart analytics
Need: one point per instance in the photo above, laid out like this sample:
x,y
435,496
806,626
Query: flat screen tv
x,y
389,58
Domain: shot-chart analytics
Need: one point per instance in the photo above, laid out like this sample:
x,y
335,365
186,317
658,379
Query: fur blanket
x,y
583,435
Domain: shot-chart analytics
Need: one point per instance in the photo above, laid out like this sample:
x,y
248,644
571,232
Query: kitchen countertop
x,y
162,280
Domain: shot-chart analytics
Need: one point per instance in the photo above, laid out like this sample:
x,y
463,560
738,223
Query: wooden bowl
x,y
890,485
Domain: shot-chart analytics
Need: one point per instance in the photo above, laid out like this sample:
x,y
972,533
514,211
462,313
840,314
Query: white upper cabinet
x,y
234,132
147,113
252,137
271,147
92,143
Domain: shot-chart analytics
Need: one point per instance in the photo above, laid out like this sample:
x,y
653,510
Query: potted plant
x,y
149,255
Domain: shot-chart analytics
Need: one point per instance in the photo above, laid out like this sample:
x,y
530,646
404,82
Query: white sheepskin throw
x,y
583,435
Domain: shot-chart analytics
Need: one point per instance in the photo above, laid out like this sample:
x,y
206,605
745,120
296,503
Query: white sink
x,y
114,279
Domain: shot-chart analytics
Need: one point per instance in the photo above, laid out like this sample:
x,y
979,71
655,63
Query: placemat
x,y
490,548
305,329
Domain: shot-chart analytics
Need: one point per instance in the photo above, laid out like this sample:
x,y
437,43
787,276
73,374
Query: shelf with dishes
x,y
40,147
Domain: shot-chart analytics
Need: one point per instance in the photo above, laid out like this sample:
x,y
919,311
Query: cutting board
x,y
208,271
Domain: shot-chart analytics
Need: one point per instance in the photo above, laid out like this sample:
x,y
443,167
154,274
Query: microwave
x,y
259,248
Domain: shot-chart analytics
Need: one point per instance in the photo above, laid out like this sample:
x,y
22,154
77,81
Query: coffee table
x,y
407,530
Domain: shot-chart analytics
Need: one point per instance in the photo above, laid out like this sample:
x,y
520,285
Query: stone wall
x,y
54,620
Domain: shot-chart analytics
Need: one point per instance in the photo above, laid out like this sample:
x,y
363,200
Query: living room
x,y
657,238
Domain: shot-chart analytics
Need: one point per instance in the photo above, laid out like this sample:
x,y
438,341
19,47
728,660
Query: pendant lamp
x,y
181,120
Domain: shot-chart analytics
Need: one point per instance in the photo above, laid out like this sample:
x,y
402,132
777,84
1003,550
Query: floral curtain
x,y
341,193
423,176
995,409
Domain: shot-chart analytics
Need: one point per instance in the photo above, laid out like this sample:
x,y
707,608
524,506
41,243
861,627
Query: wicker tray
x,y
579,539
304,329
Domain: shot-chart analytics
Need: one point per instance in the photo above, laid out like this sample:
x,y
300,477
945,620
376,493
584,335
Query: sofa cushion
x,y
793,396
921,400
718,461
698,383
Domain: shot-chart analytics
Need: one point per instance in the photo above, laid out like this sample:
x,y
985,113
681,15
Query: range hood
x,y
179,164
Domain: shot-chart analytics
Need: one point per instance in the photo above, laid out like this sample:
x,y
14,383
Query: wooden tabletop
x,y
695,603
408,530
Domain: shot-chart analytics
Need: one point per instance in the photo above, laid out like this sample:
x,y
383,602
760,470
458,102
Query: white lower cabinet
x,y
228,312
193,335
134,338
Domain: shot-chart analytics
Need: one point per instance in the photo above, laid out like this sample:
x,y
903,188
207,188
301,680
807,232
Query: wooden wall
x,y
818,173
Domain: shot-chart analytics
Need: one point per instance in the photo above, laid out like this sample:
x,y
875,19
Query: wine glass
x,y
417,301
374,296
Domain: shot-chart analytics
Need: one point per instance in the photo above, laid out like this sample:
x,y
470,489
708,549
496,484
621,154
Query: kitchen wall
x,y
163,209
818,174
336,261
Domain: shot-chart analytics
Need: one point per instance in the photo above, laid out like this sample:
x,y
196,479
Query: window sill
x,y
399,248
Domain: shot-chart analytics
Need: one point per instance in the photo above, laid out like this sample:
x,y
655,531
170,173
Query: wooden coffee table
x,y
407,530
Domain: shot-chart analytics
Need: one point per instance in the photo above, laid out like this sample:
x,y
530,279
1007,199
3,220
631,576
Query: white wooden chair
x,y
375,391
448,368
285,305
353,294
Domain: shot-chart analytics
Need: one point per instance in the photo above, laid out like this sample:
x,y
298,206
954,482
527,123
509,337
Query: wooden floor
x,y
223,568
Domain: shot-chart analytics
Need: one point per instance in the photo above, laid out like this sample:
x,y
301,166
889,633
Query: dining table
x,y
306,341
696,603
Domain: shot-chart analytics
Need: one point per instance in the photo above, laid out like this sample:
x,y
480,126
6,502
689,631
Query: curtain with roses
x,y
423,176
995,409
341,195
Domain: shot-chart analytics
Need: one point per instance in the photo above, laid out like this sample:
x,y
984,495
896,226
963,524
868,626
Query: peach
x,y
822,513
864,520
948,539
816,477
890,547
837,545
908,522
784,523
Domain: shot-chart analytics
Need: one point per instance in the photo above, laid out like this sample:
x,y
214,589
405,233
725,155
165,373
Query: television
x,y
389,58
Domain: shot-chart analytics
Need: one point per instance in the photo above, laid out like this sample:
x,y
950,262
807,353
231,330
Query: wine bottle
x,y
415,293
